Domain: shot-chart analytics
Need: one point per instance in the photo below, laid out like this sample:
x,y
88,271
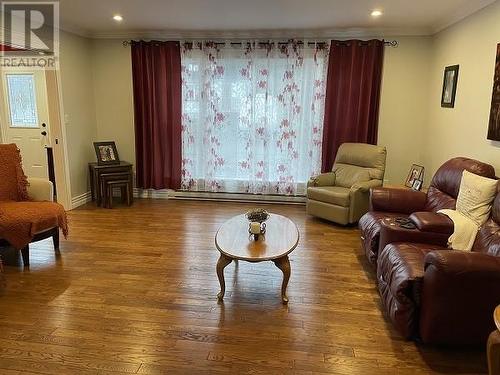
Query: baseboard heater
x,y
220,197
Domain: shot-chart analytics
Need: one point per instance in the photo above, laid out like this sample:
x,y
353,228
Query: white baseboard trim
x,y
150,193
80,200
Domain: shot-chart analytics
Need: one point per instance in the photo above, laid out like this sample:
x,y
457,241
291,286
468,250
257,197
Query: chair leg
x,y
55,238
25,253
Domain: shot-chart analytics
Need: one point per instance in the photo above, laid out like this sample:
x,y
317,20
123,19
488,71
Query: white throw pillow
x,y
475,196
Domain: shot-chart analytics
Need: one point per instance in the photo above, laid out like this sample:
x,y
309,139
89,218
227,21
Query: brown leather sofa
x,y
386,204
443,296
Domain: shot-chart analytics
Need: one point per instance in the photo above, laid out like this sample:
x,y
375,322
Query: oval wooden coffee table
x,y
234,243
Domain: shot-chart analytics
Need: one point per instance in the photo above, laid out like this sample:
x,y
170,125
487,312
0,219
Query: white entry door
x,y
25,119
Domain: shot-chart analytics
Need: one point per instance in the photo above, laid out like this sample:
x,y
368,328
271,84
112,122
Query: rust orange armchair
x,y
27,212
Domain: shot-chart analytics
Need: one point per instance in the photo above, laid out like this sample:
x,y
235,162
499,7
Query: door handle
x,y
44,133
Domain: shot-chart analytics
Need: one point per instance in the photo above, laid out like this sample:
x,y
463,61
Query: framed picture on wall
x,y
106,153
416,174
494,123
450,80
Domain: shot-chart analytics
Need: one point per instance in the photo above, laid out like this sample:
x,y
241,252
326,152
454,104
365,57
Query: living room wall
x,y
114,103
79,108
402,112
461,131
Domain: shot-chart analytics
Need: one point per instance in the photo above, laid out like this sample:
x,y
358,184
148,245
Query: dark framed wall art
x,y
450,80
494,123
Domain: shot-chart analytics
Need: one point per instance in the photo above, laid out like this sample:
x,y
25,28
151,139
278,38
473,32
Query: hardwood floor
x,y
133,290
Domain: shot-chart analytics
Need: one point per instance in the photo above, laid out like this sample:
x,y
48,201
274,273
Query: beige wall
x,y
79,107
461,131
403,105
112,69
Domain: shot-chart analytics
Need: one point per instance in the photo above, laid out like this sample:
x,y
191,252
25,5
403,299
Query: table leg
x,y
221,264
92,188
493,351
97,185
284,265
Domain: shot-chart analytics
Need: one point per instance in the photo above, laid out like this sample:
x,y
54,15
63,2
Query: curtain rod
x,y
388,43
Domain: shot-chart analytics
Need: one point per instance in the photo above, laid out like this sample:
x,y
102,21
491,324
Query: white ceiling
x,y
246,18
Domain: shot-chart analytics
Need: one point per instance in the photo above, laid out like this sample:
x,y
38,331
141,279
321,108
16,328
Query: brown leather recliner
x,y
443,296
377,226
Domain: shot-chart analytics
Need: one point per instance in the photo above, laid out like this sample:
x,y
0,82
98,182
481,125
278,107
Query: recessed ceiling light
x,y
118,18
376,13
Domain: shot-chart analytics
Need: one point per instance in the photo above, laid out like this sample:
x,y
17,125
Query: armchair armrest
x,y
365,186
432,222
359,198
40,189
460,291
324,179
397,200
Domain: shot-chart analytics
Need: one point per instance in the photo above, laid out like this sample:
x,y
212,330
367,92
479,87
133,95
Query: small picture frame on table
x,y
417,185
106,153
416,173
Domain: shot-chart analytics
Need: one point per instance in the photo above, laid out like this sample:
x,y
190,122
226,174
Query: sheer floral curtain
x,y
252,116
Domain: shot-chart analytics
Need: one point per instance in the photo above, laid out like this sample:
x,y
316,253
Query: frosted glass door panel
x,y
22,101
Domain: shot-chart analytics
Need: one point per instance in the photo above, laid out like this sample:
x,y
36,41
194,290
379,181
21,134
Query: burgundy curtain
x,y
352,95
156,72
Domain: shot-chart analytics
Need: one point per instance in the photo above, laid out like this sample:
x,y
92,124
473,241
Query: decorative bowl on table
x,y
258,215
257,225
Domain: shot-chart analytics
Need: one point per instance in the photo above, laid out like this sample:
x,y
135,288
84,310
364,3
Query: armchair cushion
x,y
40,189
348,175
330,194
363,155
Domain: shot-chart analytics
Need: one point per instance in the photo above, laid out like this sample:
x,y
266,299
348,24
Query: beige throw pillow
x,y
475,197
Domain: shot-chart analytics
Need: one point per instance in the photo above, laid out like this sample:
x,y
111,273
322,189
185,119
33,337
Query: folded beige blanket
x,y
465,231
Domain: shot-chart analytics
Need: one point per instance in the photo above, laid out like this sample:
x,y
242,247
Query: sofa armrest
x,y
397,200
460,291
464,264
432,222
40,189
324,179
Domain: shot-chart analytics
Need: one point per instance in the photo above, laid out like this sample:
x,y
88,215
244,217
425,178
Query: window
x,y
252,116
22,100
